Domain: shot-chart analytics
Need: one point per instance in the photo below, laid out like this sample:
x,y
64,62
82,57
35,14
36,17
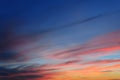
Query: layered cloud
x,y
100,46
85,59
25,57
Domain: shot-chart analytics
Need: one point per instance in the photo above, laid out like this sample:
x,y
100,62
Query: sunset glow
x,y
60,40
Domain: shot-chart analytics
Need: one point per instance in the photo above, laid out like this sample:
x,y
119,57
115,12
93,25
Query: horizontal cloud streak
x,y
103,44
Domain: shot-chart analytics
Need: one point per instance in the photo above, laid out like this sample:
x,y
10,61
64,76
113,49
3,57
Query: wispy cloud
x,y
101,45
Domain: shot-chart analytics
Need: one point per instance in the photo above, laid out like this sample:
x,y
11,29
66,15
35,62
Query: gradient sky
x,y
59,39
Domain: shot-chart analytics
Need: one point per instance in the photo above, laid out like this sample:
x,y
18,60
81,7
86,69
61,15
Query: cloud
x,y
51,72
17,74
100,46
107,71
103,61
72,62
7,56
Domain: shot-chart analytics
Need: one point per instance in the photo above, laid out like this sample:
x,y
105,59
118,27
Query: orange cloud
x,y
99,62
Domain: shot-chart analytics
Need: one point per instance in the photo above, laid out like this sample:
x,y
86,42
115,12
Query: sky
x,y
59,39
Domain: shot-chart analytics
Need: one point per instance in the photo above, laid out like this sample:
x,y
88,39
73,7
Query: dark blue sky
x,y
44,14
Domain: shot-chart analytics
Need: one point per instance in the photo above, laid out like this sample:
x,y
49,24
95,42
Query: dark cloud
x,y
8,24
17,74
7,56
